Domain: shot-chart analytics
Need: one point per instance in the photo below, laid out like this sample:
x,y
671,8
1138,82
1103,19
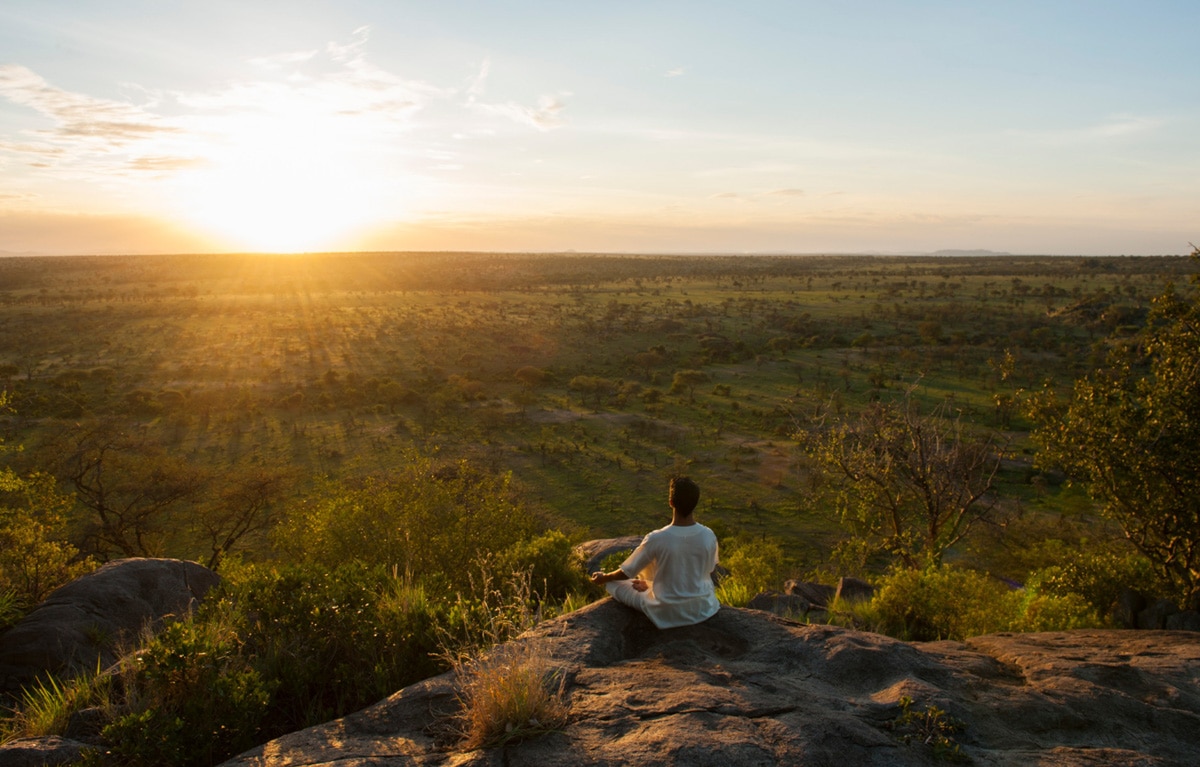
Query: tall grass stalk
x,y
512,693
47,706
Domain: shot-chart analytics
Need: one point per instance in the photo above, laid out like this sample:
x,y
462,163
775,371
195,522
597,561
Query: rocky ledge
x,y
748,688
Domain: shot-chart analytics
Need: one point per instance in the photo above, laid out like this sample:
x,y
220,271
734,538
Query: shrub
x,y
191,697
754,566
332,640
954,603
554,568
1095,577
437,523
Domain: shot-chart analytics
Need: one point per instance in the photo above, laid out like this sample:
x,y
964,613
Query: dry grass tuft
x,y
510,694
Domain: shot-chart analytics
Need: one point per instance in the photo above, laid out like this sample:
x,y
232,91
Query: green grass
x,y
238,335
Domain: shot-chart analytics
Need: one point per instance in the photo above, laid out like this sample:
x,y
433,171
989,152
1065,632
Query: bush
x,y
952,603
191,698
1095,577
554,569
332,641
754,567
437,523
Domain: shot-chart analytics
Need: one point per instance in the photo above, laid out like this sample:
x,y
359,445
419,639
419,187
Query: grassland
x,y
590,378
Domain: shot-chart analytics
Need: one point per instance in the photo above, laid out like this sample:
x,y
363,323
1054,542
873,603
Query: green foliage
x,y
1131,430
331,641
10,609
439,524
553,567
754,566
906,484
931,727
46,707
192,697
1097,577
953,603
34,557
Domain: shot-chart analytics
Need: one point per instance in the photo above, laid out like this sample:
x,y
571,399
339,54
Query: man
x,y
669,576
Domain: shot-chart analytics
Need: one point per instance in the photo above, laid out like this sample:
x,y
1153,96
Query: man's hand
x,y
639,585
600,578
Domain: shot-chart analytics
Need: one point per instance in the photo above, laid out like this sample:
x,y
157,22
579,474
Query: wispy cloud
x,y
1117,126
545,116
335,95
77,116
676,72
790,192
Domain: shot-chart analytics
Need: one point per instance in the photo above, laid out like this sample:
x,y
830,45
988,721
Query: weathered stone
x,y
594,552
1155,616
85,622
818,594
777,603
40,752
1188,620
748,688
853,590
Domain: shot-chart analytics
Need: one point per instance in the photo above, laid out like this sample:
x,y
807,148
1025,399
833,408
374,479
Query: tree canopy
x,y
1131,431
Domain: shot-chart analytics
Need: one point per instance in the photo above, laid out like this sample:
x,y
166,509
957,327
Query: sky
x,y
636,126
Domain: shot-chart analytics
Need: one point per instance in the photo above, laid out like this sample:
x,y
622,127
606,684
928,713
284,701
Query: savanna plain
x,y
404,432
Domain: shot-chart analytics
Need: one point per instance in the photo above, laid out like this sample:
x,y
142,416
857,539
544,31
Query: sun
x,y
280,185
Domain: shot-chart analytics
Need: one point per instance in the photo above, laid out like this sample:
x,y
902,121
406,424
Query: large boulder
x,y
88,621
594,552
748,688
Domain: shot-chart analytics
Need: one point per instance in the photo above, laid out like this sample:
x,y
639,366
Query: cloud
x,y
785,193
544,117
166,163
1115,127
676,72
475,89
77,116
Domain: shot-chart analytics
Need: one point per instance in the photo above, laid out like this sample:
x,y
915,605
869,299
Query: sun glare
x,y
278,185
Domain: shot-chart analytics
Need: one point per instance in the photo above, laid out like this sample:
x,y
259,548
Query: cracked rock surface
x,y
747,688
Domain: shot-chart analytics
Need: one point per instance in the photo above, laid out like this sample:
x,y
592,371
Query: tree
x,y
906,484
131,486
247,504
689,380
35,558
1131,431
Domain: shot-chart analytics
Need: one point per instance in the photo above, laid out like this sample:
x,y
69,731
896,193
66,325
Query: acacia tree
x,y
247,505
1131,431
906,484
131,487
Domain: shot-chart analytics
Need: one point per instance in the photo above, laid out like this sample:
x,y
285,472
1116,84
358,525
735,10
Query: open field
x,y
591,378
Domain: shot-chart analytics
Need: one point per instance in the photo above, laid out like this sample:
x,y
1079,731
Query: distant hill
x,y
961,253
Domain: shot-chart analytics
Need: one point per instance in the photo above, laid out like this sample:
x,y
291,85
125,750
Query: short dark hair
x,y
684,495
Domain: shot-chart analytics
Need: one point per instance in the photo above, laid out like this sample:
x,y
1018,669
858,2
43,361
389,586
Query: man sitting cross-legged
x,y
669,576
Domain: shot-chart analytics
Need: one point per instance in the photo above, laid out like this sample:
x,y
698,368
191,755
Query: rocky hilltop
x,y
747,688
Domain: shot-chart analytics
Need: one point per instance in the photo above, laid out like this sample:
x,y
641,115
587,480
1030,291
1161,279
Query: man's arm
x,y
600,578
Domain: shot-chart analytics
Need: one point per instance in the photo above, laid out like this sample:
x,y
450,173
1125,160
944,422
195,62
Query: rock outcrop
x,y
89,619
749,688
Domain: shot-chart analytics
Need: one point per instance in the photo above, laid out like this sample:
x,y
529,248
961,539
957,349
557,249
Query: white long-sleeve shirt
x,y
677,562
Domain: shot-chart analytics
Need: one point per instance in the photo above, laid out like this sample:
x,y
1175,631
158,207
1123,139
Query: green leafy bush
x,y
332,640
953,603
192,697
754,566
553,567
1095,577
437,523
